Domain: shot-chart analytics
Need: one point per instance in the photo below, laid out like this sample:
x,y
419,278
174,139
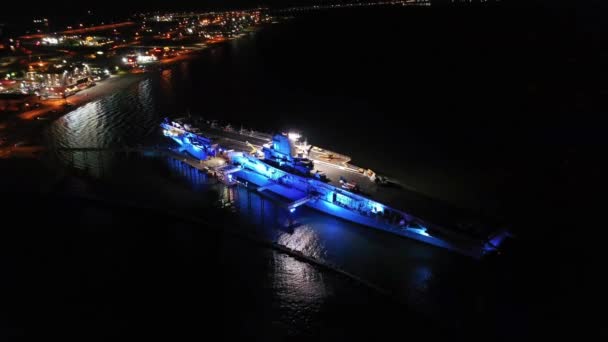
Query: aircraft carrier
x,y
287,165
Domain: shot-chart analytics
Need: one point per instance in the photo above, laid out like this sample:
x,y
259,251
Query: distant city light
x,y
146,59
50,40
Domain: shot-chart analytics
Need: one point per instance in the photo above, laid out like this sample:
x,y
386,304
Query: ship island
x,y
286,165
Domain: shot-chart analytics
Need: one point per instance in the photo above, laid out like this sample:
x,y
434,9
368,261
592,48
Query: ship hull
x,y
252,173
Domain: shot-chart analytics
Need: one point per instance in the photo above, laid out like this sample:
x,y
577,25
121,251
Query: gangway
x,y
300,202
228,169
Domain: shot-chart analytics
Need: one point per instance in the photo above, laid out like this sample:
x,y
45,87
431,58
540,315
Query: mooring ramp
x,y
300,202
265,187
228,169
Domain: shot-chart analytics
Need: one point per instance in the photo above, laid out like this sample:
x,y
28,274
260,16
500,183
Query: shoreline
x,y
20,132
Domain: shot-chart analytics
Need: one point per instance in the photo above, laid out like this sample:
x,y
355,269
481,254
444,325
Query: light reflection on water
x,y
397,264
306,240
79,126
123,118
299,286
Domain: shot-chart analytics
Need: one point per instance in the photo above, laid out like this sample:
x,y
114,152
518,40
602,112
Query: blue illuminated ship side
x,y
282,168
351,206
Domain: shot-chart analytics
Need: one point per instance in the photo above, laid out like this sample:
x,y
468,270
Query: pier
x,y
186,166
216,166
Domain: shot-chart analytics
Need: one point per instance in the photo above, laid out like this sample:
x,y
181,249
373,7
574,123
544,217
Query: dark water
x,y
438,101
